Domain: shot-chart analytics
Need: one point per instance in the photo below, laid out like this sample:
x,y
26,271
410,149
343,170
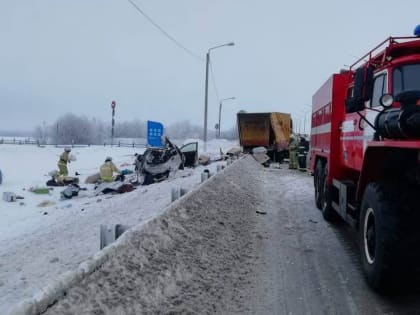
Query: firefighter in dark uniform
x,y
303,151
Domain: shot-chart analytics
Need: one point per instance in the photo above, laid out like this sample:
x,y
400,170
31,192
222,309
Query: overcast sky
x,y
60,56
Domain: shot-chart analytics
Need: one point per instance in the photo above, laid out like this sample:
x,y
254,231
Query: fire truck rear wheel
x,y
318,183
326,208
388,237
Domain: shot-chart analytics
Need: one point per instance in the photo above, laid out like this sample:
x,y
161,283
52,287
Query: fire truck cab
x,y
365,157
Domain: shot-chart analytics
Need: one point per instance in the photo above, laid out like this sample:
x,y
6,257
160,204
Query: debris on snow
x,y
9,196
54,260
261,212
46,203
40,190
204,159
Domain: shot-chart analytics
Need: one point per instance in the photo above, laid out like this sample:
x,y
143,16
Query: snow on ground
x,y
37,244
193,259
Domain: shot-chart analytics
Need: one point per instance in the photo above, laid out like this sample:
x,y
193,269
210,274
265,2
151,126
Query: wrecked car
x,y
156,163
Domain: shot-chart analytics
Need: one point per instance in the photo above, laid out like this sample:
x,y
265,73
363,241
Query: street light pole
x,y
206,96
305,111
220,118
220,113
206,91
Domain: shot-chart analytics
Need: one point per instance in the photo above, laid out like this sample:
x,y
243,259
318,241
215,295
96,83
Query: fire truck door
x,y
357,128
348,136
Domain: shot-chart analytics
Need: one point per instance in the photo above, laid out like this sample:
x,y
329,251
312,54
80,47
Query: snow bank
x,y
190,259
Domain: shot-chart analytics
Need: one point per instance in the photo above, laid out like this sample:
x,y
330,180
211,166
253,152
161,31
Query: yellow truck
x,y
269,130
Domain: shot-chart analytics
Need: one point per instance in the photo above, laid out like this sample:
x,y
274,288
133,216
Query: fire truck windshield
x,y
406,78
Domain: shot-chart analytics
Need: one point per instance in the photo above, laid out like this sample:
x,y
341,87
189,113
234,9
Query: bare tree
x,y
73,129
130,129
231,134
184,129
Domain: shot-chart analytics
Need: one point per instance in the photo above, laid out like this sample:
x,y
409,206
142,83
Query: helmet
x,y
67,149
108,158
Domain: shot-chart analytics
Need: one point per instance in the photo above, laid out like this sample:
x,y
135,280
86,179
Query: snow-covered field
x,y
41,236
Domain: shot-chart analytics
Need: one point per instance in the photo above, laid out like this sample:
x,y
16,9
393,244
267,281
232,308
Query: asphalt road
x,y
306,265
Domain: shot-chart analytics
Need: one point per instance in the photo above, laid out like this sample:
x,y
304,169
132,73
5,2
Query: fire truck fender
x,y
314,159
372,169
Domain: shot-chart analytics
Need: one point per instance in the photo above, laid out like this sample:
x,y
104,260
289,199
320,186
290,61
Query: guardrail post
x,y
175,193
109,234
183,191
204,176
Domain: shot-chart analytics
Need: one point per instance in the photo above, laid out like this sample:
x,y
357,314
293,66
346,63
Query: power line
x,y
164,32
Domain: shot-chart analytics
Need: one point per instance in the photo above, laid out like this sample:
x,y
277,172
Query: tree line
x,y
71,128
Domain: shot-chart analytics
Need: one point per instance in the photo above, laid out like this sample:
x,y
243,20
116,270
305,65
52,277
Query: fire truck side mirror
x,y
362,90
353,105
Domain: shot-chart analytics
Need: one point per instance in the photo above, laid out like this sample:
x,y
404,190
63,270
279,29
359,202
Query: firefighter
x,y
293,152
106,171
303,151
62,162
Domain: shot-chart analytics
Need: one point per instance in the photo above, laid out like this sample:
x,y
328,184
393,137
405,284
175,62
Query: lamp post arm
x,y
228,44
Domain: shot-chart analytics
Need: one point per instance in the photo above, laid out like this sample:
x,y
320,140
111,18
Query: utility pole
x,y
220,116
206,100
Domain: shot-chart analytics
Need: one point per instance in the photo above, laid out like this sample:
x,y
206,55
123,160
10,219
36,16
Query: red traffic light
x,y
113,104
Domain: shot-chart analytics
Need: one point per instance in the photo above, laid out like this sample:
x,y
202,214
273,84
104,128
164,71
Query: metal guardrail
x,y
126,144
18,141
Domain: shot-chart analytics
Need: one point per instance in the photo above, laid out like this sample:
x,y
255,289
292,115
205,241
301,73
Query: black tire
x,y
389,237
327,210
318,183
148,179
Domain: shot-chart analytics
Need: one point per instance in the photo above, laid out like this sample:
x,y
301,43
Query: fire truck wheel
x,y
326,208
318,183
388,237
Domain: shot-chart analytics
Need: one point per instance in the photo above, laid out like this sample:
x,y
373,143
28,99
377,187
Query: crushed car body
x,y
157,163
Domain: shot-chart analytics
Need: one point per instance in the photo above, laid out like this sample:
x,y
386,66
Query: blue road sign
x,y
154,133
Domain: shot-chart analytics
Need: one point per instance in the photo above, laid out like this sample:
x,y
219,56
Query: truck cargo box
x,y
269,130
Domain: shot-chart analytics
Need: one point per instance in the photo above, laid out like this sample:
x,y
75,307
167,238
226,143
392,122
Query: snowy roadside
x,y
190,259
35,248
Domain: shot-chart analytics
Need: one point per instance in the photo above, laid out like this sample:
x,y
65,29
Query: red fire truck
x,y
365,157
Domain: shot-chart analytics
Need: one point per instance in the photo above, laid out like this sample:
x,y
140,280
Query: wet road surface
x,y
306,265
